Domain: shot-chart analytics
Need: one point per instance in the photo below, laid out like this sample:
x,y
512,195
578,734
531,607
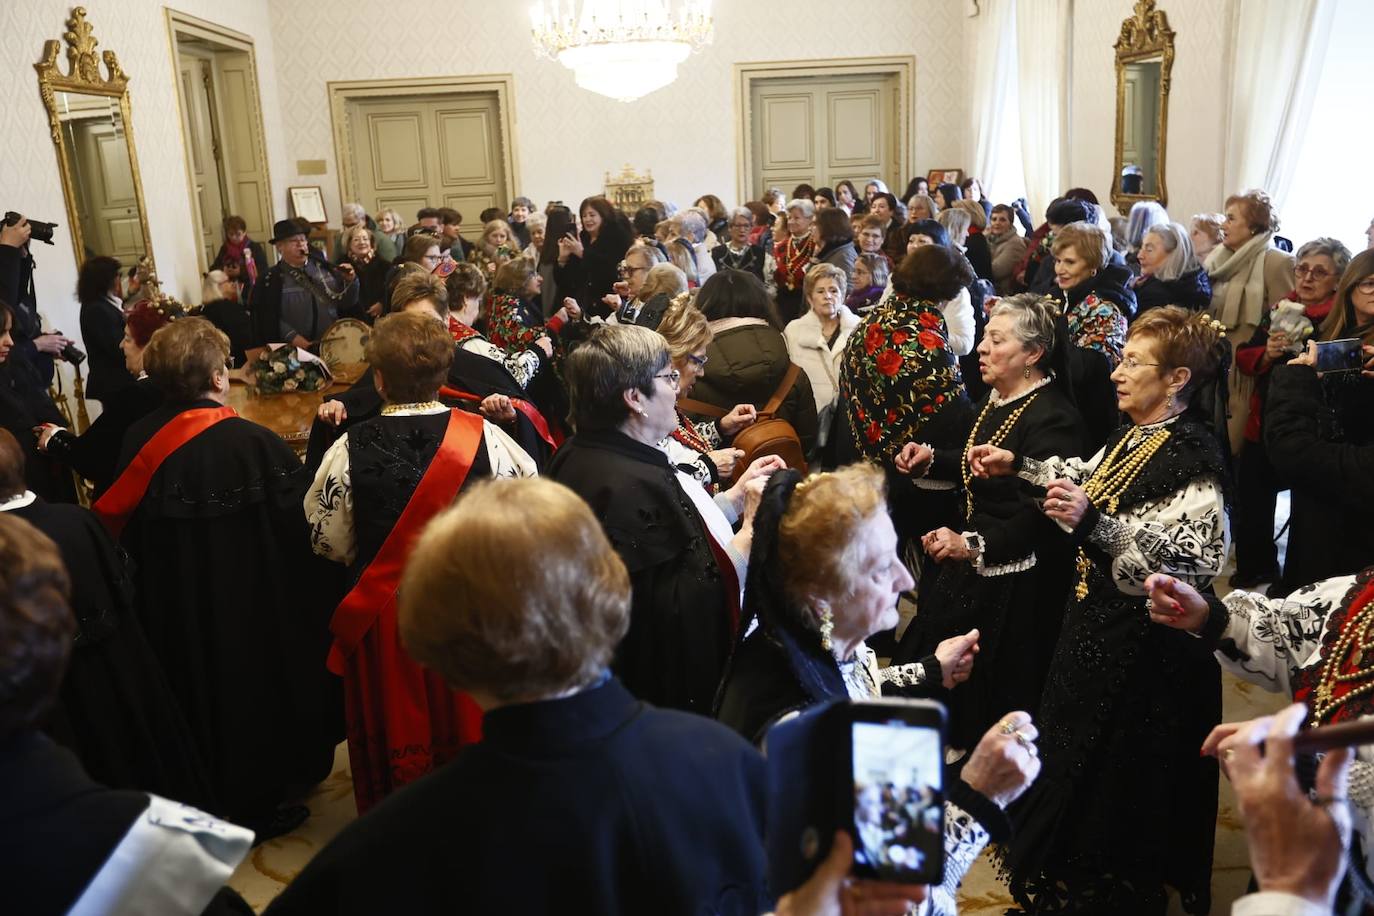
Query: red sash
x,y
531,413
376,589
124,495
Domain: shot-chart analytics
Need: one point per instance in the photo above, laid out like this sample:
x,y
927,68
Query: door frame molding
x,y
179,23
341,92
903,67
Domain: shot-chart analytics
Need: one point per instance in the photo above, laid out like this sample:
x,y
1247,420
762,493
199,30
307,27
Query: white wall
x,y
1197,100
136,31
569,138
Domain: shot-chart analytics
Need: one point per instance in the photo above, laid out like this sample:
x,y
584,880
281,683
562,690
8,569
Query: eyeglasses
x,y
698,361
1131,364
673,377
626,269
1316,273
1366,286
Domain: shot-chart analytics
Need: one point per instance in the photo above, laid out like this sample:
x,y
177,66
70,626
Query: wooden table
x,y
290,413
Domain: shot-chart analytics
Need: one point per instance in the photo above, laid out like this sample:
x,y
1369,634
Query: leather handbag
x,y
769,435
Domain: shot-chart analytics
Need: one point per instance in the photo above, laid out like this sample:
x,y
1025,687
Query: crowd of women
x,y
946,460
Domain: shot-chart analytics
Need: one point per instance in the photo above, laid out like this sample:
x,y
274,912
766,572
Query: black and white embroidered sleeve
x,y
1275,637
329,506
523,365
1041,471
1111,534
1183,534
964,842
909,675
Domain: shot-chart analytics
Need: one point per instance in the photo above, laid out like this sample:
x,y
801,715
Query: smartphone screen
x,y
897,771
1339,355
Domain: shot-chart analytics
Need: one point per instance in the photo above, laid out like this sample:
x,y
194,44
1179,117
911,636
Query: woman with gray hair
x,y
687,565
1282,334
735,252
1170,274
792,255
1005,569
1143,215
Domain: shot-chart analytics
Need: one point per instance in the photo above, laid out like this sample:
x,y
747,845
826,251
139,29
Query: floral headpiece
x,y
148,315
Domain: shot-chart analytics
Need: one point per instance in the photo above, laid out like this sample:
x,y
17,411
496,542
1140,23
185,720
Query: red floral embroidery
x,y
929,320
900,337
889,363
873,339
874,432
930,340
892,416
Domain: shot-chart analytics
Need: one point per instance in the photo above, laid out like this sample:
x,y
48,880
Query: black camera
x,y
72,355
39,231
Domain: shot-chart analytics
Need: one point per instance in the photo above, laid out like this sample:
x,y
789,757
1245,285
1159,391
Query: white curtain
x,y
1044,45
994,106
1280,48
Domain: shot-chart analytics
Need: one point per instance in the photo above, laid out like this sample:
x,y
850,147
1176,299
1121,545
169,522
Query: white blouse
x,y
1184,534
329,501
523,365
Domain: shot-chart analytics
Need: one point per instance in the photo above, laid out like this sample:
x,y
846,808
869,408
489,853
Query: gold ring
x,y
1008,727
1228,754
1026,743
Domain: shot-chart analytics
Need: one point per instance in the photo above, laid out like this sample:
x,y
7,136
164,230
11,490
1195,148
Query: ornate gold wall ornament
x,y
1145,39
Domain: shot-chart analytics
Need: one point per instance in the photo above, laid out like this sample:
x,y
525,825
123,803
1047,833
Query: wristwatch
x,y
974,542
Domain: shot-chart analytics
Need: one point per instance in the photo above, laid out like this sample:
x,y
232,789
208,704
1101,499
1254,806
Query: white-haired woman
x,y
1144,214
1170,273
220,305
792,255
735,252
354,214
391,234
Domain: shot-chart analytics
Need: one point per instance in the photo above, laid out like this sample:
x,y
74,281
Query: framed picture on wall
x,y
944,176
307,203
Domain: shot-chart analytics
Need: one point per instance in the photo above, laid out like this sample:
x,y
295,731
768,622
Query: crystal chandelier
x,y
624,49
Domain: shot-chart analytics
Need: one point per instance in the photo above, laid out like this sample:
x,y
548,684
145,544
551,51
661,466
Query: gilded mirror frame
x,y
85,77
1145,36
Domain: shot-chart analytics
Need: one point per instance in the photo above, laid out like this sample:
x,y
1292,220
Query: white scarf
x,y
1242,272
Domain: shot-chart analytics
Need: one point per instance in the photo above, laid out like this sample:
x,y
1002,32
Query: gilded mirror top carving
x,y
1144,64
1145,33
83,67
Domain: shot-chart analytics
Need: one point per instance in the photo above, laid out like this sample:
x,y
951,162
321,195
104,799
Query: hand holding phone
x,y
1339,355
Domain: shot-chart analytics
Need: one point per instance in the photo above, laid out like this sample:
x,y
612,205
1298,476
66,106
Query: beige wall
x,y
1197,100
567,137
136,31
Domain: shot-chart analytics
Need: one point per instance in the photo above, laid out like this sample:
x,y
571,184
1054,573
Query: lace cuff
x,y
964,842
1361,789
911,675
711,435
1111,534
1032,470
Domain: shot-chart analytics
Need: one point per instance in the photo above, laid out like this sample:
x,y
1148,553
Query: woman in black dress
x,y
25,405
371,268
1125,807
588,262
98,289
1005,569
220,305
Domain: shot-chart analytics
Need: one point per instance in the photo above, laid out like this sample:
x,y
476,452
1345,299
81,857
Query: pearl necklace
x,y
965,470
1110,481
1354,643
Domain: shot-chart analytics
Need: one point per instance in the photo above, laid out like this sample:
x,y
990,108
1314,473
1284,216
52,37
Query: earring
x,y
1025,373
827,621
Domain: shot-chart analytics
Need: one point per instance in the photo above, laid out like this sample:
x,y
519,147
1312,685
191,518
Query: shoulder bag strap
x,y
788,381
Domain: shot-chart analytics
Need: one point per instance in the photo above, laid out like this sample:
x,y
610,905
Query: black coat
x,y
95,453
233,319
1192,290
24,405
115,711
1112,284
1320,437
593,803
255,250
372,288
234,605
17,291
681,626
102,329
591,276
979,256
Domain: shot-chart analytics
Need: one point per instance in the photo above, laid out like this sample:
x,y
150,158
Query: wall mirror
x,y
1144,61
88,118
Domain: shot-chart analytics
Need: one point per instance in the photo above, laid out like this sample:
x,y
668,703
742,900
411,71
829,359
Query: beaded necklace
x,y
1356,643
965,471
687,434
1112,479
795,256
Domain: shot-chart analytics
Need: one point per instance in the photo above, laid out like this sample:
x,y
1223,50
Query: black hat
x,y
283,229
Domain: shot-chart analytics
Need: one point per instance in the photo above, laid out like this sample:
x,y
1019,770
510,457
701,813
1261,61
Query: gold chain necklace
x,y
390,409
1112,479
1355,643
966,472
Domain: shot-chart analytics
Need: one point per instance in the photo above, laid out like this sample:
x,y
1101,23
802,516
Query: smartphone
x,y
1339,355
897,810
873,769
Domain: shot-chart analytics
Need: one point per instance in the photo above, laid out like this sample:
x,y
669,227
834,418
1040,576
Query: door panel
x,y
820,130
243,159
416,152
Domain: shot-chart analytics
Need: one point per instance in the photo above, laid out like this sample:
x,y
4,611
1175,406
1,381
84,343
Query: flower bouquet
x,y
283,369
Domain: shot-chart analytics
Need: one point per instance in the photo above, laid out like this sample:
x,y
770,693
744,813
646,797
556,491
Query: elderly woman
x,y
1169,272
816,342
695,448
627,302
1321,262
586,268
816,606
514,319
1006,248
371,269
1295,646
976,247
1125,806
71,844
1318,434
662,284
496,246
391,234
516,597
422,250
1205,232
208,505
1144,215
834,240
1005,569
736,253
1248,275
686,562
748,359
535,224
792,256
95,453
921,206
353,215
220,305
378,485
1096,296
871,273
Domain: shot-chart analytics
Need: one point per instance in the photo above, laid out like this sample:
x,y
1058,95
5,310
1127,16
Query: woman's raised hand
x,y
740,417
991,461
956,658
914,459
1175,603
